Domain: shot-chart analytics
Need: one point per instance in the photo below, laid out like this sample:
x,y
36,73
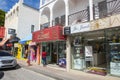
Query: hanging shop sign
x,y
48,34
67,30
80,28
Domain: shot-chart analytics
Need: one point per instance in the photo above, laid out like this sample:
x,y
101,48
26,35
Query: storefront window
x,y
56,52
113,38
77,53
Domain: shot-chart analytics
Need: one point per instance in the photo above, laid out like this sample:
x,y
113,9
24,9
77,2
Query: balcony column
x,y
41,2
91,9
51,16
39,19
68,46
66,12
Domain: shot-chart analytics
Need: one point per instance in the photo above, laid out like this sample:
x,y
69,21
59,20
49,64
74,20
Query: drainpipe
x,y
91,9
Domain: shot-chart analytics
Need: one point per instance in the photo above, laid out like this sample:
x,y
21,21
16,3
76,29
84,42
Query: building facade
x,y
92,30
23,19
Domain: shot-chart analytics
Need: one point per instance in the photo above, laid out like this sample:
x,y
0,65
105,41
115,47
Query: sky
x,y
5,5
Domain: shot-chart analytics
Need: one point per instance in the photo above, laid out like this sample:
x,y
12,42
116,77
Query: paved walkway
x,y
63,75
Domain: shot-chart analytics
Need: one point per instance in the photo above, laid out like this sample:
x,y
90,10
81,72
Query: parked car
x,y
7,60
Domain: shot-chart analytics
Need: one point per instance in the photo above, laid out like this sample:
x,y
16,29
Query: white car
x,y
7,60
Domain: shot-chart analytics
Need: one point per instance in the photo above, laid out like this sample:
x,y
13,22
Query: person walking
x,y
44,58
29,56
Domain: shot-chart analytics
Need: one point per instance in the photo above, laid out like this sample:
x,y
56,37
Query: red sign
x,y
48,34
2,32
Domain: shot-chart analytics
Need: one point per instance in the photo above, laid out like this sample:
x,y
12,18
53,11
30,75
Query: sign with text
x,y
48,34
67,30
80,27
11,31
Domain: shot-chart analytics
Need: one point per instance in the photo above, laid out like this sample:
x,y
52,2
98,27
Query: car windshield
x,y
2,53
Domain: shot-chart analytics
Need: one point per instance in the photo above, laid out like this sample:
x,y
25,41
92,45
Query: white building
x,y
23,19
90,23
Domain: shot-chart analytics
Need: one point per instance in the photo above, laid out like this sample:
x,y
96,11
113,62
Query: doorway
x,y
95,42
55,51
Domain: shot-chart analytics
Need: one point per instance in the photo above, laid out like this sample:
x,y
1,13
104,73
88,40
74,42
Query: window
x,y
102,9
56,20
32,28
63,20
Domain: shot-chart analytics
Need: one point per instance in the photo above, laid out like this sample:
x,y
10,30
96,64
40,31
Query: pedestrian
x,y
29,57
44,58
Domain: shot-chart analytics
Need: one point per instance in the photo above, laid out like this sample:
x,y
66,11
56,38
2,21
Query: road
x,y
23,74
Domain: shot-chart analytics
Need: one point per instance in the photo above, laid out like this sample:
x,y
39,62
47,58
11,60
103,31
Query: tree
x,y
2,18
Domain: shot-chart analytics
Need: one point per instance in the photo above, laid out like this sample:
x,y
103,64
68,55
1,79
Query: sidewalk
x,y
63,75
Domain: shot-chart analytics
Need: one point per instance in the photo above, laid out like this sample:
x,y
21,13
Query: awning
x,y
28,38
49,34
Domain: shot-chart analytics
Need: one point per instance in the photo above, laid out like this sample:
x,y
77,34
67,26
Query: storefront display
x,y
55,52
115,59
78,54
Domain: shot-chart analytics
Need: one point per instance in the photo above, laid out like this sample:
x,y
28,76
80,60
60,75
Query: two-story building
x,y
92,30
23,19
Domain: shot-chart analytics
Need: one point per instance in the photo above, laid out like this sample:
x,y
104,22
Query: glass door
x,y
113,39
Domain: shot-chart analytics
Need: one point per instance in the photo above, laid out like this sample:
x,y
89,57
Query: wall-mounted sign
x,y
48,34
11,31
67,30
80,27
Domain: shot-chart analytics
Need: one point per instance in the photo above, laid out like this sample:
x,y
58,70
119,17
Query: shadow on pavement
x,y
1,74
8,69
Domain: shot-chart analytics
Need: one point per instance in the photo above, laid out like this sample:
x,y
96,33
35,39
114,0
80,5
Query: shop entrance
x,y
95,52
55,51
89,52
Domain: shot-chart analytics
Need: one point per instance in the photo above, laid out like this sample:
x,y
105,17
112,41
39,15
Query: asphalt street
x,y
22,74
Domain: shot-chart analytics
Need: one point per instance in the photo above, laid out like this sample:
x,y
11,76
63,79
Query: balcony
x,y
106,8
80,16
45,2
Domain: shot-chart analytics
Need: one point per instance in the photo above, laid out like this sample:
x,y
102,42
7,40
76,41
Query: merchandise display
x,y
115,52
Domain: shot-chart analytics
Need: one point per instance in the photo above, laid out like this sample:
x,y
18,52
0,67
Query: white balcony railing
x,y
44,2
